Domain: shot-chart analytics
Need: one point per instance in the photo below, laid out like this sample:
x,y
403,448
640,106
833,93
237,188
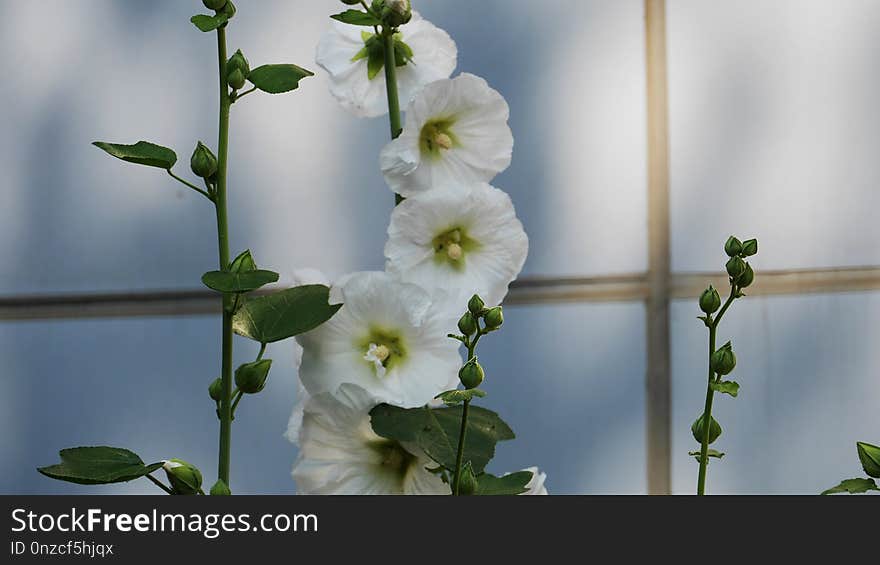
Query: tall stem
x,y
461,439
391,89
223,245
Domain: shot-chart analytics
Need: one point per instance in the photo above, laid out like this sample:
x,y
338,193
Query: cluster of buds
x,y
739,270
237,70
471,374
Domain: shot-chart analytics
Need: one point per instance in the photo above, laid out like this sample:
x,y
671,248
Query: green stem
x,y
391,89
710,395
159,484
461,439
190,185
223,245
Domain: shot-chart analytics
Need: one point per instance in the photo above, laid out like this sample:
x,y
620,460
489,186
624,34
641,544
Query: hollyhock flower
x,y
536,485
345,52
340,454
388,338
464,238
456,131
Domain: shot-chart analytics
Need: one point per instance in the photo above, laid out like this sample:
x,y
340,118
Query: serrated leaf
x,y
276,79
453,397
284,314
710,453
98,466
140,153
246,281
726,387
514,483
357,18
209,23
436,431
853,486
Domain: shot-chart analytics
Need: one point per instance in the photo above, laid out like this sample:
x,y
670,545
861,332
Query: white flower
x,y
536,485
343,52
464,239
340,454
388,337
456,131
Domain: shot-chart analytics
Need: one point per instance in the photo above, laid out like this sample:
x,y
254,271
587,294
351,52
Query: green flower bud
x,y
215,390
215,5
494,317
735,267
237,70
747,277
203,162
184,478
395,13
476,305
749,247
869,455
467,324
228,9
220,489
467,481
243,263
710,301
699,431
250,378
723,360
471,374
733,247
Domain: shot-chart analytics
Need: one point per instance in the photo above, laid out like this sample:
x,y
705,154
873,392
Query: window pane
x,y
807,367
305,185
774,130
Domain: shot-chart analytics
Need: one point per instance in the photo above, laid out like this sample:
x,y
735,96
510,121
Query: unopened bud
x,y
395,13
203,162
476,305
220,489
869,455
467,324
699,432
215,5
184,478
733,247
215,390
467,481
494,317
735,267
471,374
723,360
228,9
746,278
237,70
250,378
710,301
750,247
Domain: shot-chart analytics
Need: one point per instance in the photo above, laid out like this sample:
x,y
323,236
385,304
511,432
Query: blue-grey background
x,y
774,134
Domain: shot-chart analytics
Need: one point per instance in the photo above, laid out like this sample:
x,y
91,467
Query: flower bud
x,y
215,5
220,489
250,378
395,13
467,324
749,247
203,162
471,374
467,482
747,277
699,431
710,301
494,317
237,70
215,390
723,360
869,455
733,247
184,478
735,267
228,9
476,305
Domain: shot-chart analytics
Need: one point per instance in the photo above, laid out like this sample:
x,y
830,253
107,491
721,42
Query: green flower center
x,y
452,246
437,136
382,348
394,459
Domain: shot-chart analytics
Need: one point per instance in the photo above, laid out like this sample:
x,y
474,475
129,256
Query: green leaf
x,y
869,455
209,23
284,314
276,79
244,262
98,466
357,18
853,486
141,153
709,453
436,431
514,483
453,397
223,281
727,387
